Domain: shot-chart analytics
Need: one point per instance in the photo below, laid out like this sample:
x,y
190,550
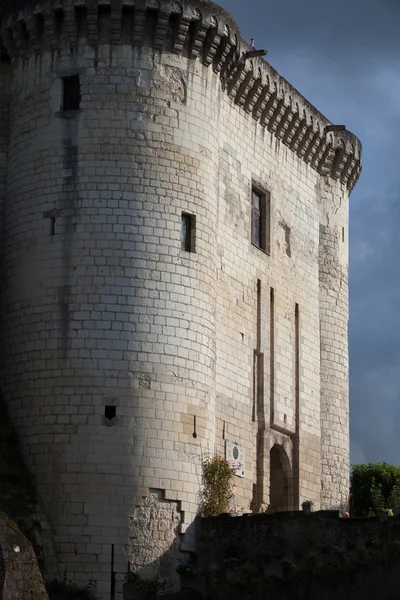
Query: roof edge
x,y
200,30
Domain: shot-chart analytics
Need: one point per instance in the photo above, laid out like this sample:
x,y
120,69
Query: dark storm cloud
x,y
344,57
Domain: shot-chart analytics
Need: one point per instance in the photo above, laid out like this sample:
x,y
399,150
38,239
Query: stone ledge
x,y
196,29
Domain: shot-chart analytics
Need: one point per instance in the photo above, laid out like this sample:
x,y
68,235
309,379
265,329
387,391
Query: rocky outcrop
x,y
20,532
20,576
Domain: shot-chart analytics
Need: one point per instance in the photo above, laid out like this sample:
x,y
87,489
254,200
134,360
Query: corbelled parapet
x,y
197,29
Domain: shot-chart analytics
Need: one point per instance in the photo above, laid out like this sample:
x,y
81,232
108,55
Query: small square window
x,y
71,93
110,412
188,233
260,220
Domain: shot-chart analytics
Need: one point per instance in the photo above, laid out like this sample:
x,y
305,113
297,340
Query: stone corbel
x,y
348,168
223,52
312,147
236,80
198,40
253,95
70,24
32,28
338,162
243,90
326,161
161,27
269,108
299,134
277,116
284,123
116,21
319,152
354,176
50,26
292,127
181,32
92,22
9,44
139,19
262,100
211,43
305,141
19,36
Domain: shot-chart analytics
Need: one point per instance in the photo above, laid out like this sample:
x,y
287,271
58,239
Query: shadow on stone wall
x,y
293,556
365,583
23,525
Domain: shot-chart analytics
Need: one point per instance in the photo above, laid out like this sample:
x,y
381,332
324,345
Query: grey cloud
x,y
340,26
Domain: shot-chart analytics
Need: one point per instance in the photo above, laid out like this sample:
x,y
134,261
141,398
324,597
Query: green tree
x,y
373,487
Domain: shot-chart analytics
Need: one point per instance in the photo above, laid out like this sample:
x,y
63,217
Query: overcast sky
x,y
344,57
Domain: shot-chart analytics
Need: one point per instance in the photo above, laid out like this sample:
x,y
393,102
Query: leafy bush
x,y
150,589
189,570
374,487
217,489
72,589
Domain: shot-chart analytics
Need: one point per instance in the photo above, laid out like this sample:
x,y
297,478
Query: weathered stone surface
x,y
103,309
153,548
20,577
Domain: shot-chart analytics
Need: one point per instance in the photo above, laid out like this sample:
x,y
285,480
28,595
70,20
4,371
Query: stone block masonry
x,y
140,327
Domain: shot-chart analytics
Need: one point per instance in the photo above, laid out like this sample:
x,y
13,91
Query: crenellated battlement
x,y
196,29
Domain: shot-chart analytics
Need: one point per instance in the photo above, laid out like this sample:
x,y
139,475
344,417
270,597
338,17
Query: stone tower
x,y
174,250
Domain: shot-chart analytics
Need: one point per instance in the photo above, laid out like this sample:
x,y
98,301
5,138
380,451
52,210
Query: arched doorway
x,y
280,480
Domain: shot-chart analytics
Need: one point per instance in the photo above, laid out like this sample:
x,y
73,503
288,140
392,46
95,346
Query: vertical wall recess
x,y
296,437
272,355
259,408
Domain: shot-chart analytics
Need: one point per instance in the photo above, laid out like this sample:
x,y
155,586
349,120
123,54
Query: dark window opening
x,y
188,232
260,220
110,412
52,225
342,234
71,93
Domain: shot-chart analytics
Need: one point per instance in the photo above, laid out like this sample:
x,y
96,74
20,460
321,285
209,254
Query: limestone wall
x,y
108,310
102,309
334,323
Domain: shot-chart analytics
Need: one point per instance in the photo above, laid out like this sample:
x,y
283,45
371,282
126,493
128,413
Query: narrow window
x,y
342,234
260,220
188,230
52,225
71,93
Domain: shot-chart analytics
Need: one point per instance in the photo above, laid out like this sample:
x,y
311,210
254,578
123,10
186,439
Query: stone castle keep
x,y
174,275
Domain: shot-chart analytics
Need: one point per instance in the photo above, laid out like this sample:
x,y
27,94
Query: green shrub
x,y
217,489
150,589
72,589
